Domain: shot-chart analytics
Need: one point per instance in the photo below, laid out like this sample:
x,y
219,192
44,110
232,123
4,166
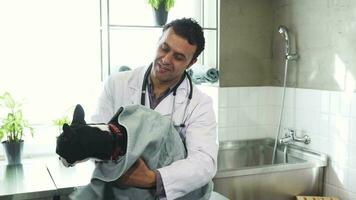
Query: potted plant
x,y
160,9
12,127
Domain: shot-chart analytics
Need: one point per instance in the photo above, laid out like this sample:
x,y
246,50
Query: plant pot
x,y
160,15
13,151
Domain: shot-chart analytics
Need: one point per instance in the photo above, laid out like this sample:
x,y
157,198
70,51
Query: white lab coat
x,y
182,176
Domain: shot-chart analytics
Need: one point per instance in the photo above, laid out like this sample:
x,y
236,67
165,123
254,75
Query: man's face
x,y
174,55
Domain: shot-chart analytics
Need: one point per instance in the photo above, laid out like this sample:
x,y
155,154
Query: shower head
x,y
284,31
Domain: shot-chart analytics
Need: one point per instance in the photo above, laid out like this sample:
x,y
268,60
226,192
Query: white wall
x,y
247,112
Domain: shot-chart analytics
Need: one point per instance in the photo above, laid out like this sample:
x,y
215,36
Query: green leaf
x,y
32,130
8,100
1,133
154,3
61,121
169,4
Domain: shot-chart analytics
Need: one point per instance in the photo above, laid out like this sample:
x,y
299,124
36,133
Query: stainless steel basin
x,y
245,171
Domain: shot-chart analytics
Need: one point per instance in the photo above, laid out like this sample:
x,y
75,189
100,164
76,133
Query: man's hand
x,y
139,175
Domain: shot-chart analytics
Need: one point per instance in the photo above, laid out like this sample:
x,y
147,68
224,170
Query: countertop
x,y
42,178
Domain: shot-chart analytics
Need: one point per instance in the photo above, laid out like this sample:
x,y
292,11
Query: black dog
x,y
80,141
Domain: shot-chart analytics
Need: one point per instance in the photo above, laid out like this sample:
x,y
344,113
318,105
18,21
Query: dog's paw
x,y
65,163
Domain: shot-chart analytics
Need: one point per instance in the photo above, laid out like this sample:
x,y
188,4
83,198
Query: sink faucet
x,y
291,136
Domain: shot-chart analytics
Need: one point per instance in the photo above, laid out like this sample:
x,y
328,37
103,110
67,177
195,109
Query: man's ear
x,y
78,115
191,63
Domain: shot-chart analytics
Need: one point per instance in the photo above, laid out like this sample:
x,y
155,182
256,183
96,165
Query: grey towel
x,y
150,136
202,74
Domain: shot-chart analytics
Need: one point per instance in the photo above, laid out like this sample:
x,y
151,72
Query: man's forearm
x,y
139,175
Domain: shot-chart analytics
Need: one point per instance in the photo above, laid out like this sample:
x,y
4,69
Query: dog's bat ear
x,y
66,129
78,115
115,118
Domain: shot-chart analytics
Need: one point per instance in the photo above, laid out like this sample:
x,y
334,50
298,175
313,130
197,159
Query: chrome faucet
x,y
291,136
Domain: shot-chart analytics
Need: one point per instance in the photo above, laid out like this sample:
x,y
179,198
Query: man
x,y
164,87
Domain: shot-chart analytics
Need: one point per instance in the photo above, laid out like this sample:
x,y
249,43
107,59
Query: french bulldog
x,y
80,141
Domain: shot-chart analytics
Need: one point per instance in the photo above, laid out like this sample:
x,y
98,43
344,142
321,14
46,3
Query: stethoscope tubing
x,y
145,82
143,93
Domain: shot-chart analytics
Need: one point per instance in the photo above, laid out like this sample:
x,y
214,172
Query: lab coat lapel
x,y
135,86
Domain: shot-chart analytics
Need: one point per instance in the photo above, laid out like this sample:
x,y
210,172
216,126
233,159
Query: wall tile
x,y
345,103
339,128
315,123
308,99
290,100
351,160
351,186
334,102
324,145
249,132
338,151
222,134
262,116
223,117
274,129
229,133
275,96
353,130
262,96
353,105
223,98
304,119
288,117
248,96
232,120
324,125
242,119
325,102
233,95
267,131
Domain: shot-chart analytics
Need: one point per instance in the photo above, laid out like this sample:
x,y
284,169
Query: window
x,y
50,57
133,35
53,54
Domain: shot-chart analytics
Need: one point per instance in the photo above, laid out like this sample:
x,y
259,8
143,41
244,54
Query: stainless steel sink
x,y
245,171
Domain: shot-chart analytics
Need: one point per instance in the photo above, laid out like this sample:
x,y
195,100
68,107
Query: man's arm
x,y
184,176
139,175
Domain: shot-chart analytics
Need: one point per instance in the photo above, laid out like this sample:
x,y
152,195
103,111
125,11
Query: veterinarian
x,y
164,86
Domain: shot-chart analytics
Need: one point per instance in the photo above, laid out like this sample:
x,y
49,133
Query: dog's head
x,y
80,141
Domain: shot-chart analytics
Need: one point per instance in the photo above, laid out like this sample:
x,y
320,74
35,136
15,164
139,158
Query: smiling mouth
x,y
161,68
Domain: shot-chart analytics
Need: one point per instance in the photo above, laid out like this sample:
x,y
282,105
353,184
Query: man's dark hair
x,y
190,30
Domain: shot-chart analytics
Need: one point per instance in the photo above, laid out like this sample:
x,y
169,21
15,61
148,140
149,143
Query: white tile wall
x,y
328,117
247,112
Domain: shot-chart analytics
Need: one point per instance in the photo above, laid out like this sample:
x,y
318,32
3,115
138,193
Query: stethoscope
x,y
174,91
